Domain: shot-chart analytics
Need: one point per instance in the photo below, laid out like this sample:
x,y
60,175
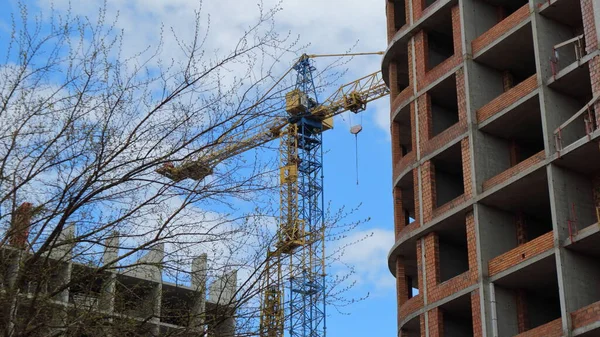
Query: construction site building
x,y
496,166
135,300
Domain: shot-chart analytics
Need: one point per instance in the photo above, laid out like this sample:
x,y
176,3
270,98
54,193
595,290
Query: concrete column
x,y
222,292
62,254
199,273
107,296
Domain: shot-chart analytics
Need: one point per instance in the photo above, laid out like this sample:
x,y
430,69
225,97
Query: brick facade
x,y
434,143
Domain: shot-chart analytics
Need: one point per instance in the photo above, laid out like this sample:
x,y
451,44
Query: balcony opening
x,y
505,8
399,14
402,65
85,293
176,305
516,214
403,123
135,297
449,181
440,42
504,66
583,267
412,328
409,260
580,208
512,138
454,254
490,13
527,298
458,317
406,185
444,105
566,13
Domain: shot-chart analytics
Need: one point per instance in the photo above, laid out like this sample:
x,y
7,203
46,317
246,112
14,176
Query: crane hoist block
x,y
288,174
195,170
296,102
354,102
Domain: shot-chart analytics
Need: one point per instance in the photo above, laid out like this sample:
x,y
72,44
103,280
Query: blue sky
x,y
330,26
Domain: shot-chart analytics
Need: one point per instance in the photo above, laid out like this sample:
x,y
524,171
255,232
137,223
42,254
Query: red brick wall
x,y
522,314
411,74
20,225
391,22
428,175
425,119
515,170
394,89
395,133
399,214
436,290
476,314
401,286
411,306
432,263
594,65
449,205
521,253
466,167
499,29
589,25
426,76
417,200
520,224
456,30
400,165
471,243
421,57
401,98
443,138
507,99
413,125
551,329
420,266
436,322
460,95
439,70
428,190
417,8
596,192
429,143
586,315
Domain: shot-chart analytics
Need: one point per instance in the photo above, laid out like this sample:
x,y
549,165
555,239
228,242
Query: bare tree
x,y
95,242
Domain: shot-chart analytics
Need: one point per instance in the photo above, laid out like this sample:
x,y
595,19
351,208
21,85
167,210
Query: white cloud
x,y
367,253
325,27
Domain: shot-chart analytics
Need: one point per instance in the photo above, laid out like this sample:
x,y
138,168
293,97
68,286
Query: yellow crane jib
x,y
233,145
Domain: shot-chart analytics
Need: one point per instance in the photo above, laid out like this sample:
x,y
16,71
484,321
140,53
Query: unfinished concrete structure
x,y
132,301
496,166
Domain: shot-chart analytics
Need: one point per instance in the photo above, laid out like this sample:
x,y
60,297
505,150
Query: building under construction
x,y
62,296
496,166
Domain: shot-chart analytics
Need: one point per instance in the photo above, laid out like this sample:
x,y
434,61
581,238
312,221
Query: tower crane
x,y
300,243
